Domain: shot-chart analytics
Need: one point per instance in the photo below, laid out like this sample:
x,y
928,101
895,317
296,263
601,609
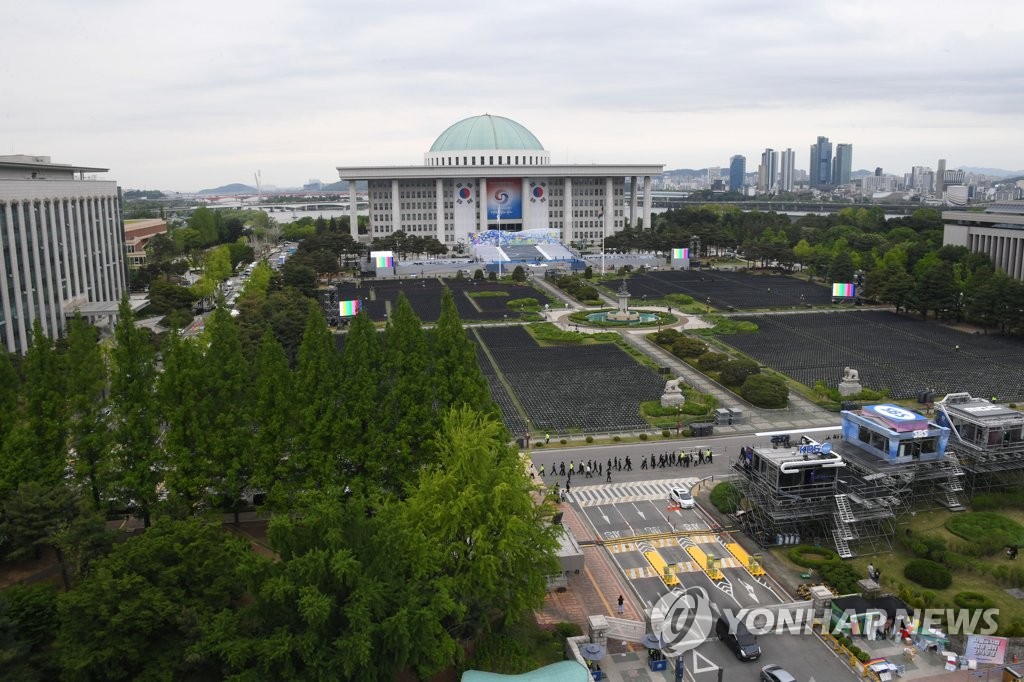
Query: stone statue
x,y
672,396
850,385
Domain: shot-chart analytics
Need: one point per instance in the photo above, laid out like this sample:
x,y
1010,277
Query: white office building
x,y
489,172
62,238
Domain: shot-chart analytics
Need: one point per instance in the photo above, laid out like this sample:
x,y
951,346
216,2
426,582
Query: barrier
x,y
748,561
661,566
709,564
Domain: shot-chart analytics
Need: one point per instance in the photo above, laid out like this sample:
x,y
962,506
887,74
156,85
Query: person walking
x,y
547,437
572,466
561,468
542,471
629,464
609,479
621,609
588,470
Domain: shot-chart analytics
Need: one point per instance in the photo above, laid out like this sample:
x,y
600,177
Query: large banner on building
x,y
535,215
465,208
505,199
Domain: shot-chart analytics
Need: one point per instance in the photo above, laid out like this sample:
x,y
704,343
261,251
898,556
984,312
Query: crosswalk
x,y
609,493
657,543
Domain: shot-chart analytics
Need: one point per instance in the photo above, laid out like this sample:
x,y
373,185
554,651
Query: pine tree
x,y
180,398
457,378
87,401
359,410
273,412
313,463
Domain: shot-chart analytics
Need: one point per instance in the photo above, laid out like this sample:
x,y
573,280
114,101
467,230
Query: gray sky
x,y
189,94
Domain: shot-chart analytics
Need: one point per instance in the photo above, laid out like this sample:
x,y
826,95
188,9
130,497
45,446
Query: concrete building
x,y
787,165
62,238
137,234
940,178
489,172
998,233
768,171
842,165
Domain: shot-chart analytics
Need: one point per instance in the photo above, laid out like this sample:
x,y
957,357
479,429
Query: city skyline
x,y
295,90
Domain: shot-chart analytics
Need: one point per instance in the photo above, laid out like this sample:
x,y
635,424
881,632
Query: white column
x,y
481,196
51,251
525,194
632,202
439,197
39,300
567,208
22,285
92,285
608,226
64,236
103,238
396,207
122,256
647,202
97,253
5,298
78,246
353,212
115,236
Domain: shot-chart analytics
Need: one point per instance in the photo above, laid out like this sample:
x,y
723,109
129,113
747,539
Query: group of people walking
x,y
588,469
681,459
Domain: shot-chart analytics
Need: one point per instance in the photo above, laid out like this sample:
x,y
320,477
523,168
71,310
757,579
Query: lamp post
x,y
499,240
600,217
709,305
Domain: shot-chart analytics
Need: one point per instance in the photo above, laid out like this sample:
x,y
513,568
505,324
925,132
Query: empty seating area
x,y
565,388
904,354
425,297
727,289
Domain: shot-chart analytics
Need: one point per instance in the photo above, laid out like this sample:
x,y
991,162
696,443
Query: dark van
x,y
735,635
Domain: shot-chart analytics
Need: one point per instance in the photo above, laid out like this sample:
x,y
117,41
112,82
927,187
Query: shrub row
x,y
810,556
928,573
725,497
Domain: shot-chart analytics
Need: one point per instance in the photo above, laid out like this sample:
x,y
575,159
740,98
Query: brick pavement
x,y
594,590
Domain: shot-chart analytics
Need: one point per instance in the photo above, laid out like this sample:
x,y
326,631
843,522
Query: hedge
x,y
988,532
928,574
841,576
726,498
810,556
973,600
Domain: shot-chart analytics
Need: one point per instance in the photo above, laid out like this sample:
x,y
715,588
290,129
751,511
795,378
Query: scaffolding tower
x,y
987,442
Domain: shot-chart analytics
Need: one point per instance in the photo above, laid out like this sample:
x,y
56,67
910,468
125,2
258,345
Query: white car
x,y
682,497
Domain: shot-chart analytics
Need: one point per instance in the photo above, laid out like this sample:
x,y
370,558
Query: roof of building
x,y
30,162
485,132
563,671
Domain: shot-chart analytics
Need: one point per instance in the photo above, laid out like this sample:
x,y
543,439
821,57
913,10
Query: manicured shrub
x,y
688,347
563,441
566,629
590,439
810,556
988,532
973,600
840,575
643,436
665,433
712,362
667,337
478,274
726,498
538,444
616,438
735,372
763,390
519,275
522,303
928,574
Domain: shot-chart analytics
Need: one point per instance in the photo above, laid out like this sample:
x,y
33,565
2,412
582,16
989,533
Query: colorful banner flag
x,y
680,254
383,259
843,290
348,308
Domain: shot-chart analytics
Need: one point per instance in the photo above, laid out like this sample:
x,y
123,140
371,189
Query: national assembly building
x,y
490,173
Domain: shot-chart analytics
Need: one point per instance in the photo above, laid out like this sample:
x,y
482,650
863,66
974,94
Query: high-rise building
x,y
940,178
842,165
61,247
737,171
787,164
768,171
821,163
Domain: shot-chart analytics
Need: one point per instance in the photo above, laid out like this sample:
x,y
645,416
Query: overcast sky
x,y
190,94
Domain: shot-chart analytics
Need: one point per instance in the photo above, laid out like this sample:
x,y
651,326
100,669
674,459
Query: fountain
x,y
623,315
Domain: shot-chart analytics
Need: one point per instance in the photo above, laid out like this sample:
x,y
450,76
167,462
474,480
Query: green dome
x,y
485,132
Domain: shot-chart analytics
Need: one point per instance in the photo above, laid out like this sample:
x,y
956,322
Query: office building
x,y
940,178
787,165
489,172
737,172
820,169
62,238
842,165
998,233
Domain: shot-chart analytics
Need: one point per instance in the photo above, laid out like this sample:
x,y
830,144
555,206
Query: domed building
x,y
491,173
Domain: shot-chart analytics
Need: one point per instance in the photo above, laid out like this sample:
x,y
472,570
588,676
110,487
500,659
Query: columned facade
x,y
488,166
62,245
997,233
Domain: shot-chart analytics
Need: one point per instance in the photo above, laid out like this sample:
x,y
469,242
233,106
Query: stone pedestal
x,y
672,399
847,388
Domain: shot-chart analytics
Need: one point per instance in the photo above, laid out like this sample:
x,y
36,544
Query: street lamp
x,y
709,304
499,240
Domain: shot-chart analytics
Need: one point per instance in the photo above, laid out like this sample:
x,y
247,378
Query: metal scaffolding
x,y
988,442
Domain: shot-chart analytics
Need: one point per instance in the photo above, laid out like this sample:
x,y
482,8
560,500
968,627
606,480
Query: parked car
x,y
683,497
735,635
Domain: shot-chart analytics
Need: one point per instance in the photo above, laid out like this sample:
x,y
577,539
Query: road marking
x,y
642,516
695,668
750,590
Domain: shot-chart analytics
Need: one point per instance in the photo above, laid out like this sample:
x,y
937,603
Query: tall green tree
x,y
497,563
408,410
36,448
134,471
28,625
359,432
140,612
314,461
272,415
181,388
457,377
90,436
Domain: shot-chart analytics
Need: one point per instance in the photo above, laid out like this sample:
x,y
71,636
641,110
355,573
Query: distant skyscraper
x,y
737,170
768,171
842,165
940,178
821,163
787,164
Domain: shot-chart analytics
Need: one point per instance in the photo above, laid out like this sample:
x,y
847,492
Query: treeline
x,y
900,261
383,463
